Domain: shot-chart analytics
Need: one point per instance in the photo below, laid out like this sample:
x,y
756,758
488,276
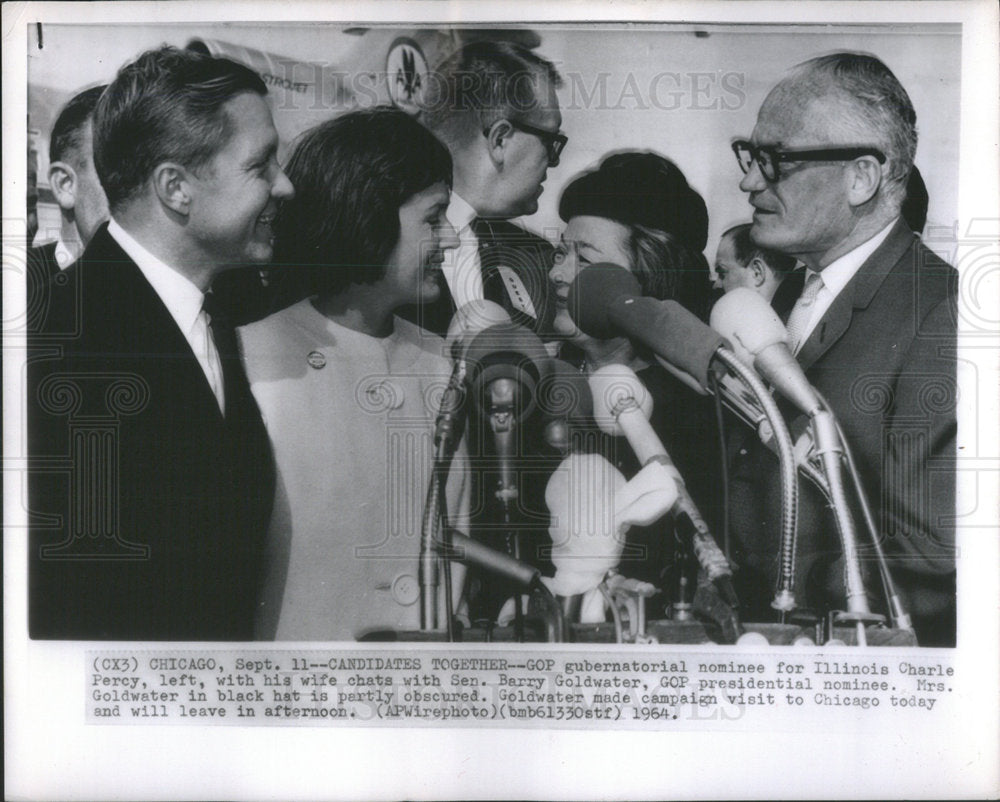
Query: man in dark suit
x,y
154,477
76,188
494,105
871,319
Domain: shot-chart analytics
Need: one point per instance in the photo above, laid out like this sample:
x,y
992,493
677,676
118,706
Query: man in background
x,y
77,190
155,531
739,262
494,106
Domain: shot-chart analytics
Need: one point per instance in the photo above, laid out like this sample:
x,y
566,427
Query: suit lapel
x,y
788,293
145,327
856,295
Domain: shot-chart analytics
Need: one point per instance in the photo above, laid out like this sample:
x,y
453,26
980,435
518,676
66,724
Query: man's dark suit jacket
x,y
884,358
42,262
149,508
42,267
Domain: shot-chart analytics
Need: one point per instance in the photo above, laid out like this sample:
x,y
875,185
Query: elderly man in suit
x,y
157,531
871,319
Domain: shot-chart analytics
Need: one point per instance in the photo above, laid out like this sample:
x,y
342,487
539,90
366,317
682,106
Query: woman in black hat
x,y
638,211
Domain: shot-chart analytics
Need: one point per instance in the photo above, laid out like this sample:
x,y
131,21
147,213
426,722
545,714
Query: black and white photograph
x,y
412,401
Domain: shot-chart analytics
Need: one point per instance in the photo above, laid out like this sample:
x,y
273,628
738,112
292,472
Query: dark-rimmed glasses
x,y
553,140
768,157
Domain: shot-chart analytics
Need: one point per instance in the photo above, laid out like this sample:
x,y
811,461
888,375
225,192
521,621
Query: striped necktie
x,y
798,320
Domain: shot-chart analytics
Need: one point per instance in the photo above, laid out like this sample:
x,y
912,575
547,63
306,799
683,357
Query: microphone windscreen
x,y
565,394
507,351
580,497
748,322
472,318
593,291
679,337
616,389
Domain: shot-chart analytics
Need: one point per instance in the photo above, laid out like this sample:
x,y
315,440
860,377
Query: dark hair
x,y
668,269
914,209
351,176
745,249
67,134
481,83
666,220
167,105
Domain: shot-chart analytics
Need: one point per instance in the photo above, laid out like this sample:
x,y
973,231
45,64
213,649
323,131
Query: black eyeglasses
x,y
768,157
553,140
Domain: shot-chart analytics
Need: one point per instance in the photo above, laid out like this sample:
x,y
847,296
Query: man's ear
x,y
758,271
497,139
173,187
62,180
865,179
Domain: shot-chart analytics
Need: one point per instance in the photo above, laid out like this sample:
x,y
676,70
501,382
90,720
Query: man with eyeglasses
x,y
494,105
871,320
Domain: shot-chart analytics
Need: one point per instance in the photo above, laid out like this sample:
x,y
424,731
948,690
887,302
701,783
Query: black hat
x,y
640,189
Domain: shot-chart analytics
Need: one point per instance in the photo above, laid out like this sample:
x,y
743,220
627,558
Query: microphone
x,y
473,318
580,496
606,300
472,552
622,405
760,340
505,365
751,322
468,321
564,402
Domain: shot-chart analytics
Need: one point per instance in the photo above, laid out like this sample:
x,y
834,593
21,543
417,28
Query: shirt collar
x,y
840,271
65,256
179,294
460,214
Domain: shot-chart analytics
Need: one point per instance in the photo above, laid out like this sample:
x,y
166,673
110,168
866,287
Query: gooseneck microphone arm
x,y
622,406
430,532
784,599
605,300
470,320
897,611
755,327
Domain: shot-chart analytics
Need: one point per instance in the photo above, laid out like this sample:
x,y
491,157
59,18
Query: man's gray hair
x,y
481,83
876,105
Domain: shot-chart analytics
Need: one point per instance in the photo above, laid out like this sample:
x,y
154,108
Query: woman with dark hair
x,y
638,211
347,389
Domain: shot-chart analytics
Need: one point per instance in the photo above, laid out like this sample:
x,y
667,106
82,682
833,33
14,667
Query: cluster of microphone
x,y
505,374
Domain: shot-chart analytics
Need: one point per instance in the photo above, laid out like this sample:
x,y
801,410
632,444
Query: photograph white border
x,y
50,753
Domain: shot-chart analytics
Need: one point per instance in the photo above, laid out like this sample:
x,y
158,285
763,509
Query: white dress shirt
x,y
462,268
185,303
836,276
65,256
